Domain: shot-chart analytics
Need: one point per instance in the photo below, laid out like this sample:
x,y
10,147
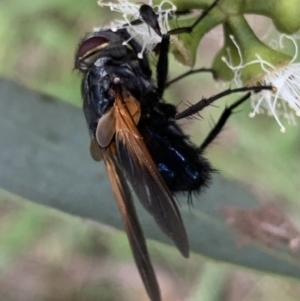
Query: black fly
x,y
137,135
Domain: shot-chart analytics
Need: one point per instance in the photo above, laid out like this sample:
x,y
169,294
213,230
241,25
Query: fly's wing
x,y
131,224
95,150
145,178
106,128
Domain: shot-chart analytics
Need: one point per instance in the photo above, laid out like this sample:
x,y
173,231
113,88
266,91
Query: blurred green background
x,y
49,256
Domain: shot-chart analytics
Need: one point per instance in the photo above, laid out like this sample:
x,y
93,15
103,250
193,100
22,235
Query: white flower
x,y
284,99
141,32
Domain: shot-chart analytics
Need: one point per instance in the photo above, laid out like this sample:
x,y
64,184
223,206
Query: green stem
x,y
250,47
284,13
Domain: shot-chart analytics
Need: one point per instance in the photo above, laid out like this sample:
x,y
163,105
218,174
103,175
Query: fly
x,y
137,136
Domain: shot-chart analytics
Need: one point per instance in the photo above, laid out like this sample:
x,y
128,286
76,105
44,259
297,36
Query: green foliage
x,y
208,233
40,41
44,157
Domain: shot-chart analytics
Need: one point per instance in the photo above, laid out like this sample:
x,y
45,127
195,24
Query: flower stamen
x,y
285,97
145,35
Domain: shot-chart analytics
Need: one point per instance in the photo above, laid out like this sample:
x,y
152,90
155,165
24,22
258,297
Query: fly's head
x,y
100,48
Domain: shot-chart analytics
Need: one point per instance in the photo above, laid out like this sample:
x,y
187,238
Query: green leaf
x,y
44,158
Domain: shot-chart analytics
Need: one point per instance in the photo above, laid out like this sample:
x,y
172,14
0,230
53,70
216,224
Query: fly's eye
x,y
91,45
